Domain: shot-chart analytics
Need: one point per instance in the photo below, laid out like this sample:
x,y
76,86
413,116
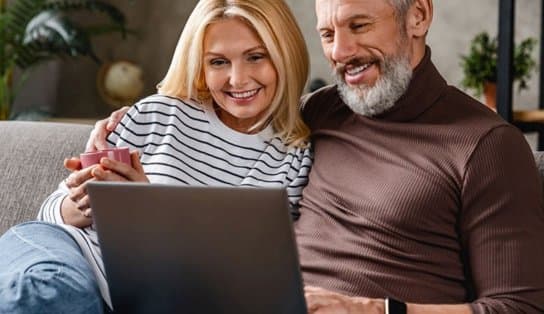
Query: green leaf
x,y
51,32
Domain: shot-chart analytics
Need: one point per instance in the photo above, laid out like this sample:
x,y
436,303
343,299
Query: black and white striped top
x,y
183,142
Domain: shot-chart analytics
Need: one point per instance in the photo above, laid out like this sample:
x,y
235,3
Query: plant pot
x,y
490,95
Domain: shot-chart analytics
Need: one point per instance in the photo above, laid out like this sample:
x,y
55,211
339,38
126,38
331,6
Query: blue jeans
x,y
42,270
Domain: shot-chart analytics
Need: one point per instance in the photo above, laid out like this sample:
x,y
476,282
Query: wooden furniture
x,y
526,121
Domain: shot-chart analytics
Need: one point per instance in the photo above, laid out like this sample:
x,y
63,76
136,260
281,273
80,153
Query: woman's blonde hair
x,y
275,24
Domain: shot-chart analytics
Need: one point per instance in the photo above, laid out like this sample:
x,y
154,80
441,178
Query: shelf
x,y
529,116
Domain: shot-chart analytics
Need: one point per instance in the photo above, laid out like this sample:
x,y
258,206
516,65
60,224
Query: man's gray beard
x,y
370,101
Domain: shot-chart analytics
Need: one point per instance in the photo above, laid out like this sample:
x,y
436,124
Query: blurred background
x,y
67,87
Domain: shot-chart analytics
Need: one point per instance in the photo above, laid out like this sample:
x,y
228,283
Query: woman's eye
x,y
218,62
256,57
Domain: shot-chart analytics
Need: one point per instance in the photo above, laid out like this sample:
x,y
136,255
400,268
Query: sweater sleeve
x,y
301,171
50,209
502,225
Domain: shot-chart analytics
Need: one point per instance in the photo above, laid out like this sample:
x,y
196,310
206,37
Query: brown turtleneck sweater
x,y
437,201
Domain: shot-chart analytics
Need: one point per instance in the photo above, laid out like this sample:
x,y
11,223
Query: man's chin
x,y
357,99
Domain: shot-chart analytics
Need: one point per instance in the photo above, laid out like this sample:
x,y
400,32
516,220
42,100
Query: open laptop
x,y
188,249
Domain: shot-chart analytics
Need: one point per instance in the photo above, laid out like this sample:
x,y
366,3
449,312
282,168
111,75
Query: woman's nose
x,y
238,75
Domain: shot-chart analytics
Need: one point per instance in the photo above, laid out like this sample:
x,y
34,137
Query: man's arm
x,y
501,225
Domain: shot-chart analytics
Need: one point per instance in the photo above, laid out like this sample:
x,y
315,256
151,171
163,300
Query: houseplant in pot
x,y
480,66
35,31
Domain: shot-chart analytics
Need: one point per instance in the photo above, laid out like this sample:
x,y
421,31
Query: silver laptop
x,y
186,249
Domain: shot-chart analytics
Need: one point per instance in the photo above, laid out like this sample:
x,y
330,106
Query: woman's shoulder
x,y
158,101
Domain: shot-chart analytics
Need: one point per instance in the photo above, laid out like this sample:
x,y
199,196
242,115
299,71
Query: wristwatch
x,y
393,306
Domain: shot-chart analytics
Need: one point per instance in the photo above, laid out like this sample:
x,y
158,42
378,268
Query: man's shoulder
x,y
466,111
325,95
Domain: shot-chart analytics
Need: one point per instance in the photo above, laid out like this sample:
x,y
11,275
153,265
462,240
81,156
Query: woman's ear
x,y
419,18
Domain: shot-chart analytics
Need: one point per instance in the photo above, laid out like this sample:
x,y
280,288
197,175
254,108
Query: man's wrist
x,y
393,306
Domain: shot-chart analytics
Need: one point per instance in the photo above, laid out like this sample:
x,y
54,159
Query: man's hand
x,y
321,301
102,129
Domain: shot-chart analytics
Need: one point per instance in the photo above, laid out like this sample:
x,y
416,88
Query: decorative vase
x,y
490,95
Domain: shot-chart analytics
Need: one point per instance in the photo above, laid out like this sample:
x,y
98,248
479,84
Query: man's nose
x,y
344,47
238,75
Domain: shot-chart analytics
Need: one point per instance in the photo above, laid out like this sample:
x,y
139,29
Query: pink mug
x,y
92,158
121,154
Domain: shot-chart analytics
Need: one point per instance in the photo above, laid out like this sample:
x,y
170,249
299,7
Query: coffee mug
x,y
121,154
92,158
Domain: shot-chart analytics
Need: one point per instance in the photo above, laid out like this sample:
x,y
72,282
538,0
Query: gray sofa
x,y
31,156
31,164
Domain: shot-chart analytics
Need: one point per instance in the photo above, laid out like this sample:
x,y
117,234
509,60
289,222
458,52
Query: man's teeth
x,y
247,94
357,70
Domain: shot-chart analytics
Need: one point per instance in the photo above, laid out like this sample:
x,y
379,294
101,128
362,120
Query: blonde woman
x,y
226,113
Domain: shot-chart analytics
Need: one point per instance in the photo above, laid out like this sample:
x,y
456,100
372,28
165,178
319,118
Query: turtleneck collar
x,y
424,89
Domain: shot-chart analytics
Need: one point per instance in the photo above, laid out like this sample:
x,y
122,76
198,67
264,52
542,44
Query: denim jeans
x,y
42,270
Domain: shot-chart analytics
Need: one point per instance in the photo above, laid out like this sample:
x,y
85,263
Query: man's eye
x,y
327,36
358,27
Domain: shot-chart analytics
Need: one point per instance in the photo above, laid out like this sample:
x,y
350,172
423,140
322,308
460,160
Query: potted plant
x,y
480,66
35,31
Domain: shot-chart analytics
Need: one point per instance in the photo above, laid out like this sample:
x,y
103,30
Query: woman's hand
x,y
75,208
102,128
112,170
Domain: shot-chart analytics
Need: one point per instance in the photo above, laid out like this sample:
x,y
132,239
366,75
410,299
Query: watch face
x,y
393,306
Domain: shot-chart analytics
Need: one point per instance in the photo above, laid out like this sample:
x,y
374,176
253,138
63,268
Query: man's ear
x,y
419,18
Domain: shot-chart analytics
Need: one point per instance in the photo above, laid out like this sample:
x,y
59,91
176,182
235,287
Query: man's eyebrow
x,y
349,18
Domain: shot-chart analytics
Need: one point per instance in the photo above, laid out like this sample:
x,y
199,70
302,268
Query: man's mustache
x,y
340,68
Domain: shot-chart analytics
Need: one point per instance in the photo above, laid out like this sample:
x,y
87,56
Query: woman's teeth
x,y
243,95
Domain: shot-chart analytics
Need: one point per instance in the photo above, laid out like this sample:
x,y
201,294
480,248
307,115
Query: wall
x,y
159,23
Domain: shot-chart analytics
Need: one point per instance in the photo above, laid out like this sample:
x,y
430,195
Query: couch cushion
x,y
31,164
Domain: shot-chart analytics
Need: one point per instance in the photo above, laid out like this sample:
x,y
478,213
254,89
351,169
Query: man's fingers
x,y
97,139
115,118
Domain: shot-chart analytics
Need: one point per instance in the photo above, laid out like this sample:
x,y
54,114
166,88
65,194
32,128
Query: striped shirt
x,y
183,142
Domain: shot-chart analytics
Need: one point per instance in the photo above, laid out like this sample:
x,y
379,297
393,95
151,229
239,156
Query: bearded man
x,y
418,194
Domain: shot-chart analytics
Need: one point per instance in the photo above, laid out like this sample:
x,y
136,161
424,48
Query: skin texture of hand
x,y
75,208
97,139
111,170
321,301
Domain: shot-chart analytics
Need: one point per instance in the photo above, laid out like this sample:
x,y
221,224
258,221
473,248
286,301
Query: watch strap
x,y
393,306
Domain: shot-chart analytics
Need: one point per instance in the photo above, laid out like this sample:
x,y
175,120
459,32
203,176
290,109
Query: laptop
x,y
189,249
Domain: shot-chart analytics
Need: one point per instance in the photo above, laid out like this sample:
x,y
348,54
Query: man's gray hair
x,y
401,7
